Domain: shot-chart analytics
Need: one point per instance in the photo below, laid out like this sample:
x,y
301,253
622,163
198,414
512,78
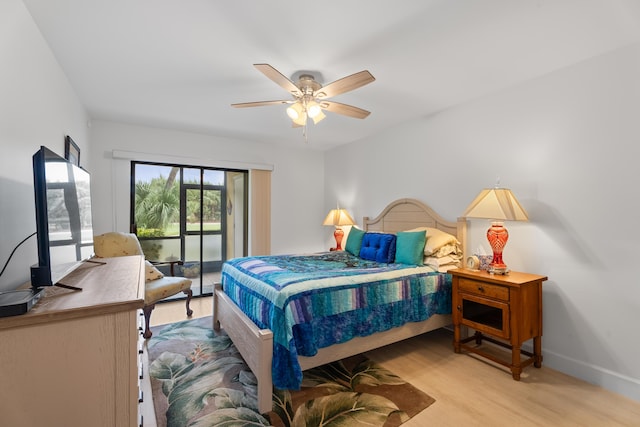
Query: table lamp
x,y
497,204
338,218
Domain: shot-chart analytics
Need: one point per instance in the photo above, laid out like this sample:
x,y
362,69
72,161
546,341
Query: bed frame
x,y
256,345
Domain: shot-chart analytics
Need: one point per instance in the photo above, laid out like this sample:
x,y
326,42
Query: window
x,y
194,214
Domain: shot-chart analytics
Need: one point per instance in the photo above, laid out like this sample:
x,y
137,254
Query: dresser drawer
x,y
483,289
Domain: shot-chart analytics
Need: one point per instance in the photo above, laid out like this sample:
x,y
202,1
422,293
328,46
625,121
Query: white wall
x,y
567,144
297,178
37,107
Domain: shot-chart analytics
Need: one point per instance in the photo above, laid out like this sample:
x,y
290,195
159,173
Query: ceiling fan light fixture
x,y
301,120
318,117
295,111
313,109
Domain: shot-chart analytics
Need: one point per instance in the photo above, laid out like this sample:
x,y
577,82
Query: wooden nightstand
x,y
503,309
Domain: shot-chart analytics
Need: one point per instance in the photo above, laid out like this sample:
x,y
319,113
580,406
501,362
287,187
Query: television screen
x,y
63,217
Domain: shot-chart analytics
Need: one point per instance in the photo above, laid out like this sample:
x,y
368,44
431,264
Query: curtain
x,y
260,212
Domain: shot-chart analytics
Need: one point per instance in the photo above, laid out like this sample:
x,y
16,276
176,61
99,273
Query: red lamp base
x,y
338,234
497,236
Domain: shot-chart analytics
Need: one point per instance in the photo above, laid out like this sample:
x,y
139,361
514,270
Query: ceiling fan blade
x,y
278,78
345,84
344,109
261,103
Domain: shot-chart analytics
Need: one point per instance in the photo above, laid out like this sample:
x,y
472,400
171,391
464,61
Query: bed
x,y
268,350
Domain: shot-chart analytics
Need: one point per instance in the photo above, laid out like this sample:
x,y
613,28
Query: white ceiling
x,y
181,63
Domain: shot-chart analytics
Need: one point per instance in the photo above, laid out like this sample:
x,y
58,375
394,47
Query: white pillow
x,y
436,262
445,268
443,264
439,243
449,249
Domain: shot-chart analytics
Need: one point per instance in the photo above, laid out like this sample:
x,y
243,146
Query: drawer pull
x,y
488,290
459,308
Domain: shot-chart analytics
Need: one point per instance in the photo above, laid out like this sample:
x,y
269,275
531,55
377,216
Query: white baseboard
x,y
613,381
605,378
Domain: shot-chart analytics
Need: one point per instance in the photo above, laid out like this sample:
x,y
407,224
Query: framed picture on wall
x,y
71,151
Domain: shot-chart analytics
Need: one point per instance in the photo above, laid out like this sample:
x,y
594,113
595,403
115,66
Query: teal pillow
x,y
410,247
354,241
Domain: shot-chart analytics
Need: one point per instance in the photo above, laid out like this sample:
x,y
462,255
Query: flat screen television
x,y
63,217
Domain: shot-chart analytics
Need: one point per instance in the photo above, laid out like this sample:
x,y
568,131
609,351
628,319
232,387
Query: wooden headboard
x,y
405,214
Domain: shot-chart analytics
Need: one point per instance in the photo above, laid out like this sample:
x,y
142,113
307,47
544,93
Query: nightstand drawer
x,y
483,289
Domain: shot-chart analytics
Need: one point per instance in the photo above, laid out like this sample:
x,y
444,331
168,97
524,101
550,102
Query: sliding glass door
x,y
190,214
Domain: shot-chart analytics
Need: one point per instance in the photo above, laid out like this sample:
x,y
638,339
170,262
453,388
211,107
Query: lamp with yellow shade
x,y
498,205
338,218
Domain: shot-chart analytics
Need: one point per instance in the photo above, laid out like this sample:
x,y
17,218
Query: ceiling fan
x,y
310,97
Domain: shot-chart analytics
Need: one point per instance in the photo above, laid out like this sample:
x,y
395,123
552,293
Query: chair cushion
x,y
167,286
115,244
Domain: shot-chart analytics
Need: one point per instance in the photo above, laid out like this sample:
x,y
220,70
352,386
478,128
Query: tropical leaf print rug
x,y
199,379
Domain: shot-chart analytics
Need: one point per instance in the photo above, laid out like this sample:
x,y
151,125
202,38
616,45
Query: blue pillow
x,y
379,247
410,247
354,241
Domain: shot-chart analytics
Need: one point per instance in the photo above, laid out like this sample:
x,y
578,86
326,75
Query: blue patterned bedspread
x,y
314,301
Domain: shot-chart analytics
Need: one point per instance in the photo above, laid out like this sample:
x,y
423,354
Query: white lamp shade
x,y
497,204
318,117
295,111
313,109
301,120
338,217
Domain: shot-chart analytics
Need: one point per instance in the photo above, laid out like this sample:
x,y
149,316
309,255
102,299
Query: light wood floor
x,y
470,391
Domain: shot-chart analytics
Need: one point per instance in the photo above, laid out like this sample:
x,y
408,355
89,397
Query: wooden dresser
x,y
73,360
